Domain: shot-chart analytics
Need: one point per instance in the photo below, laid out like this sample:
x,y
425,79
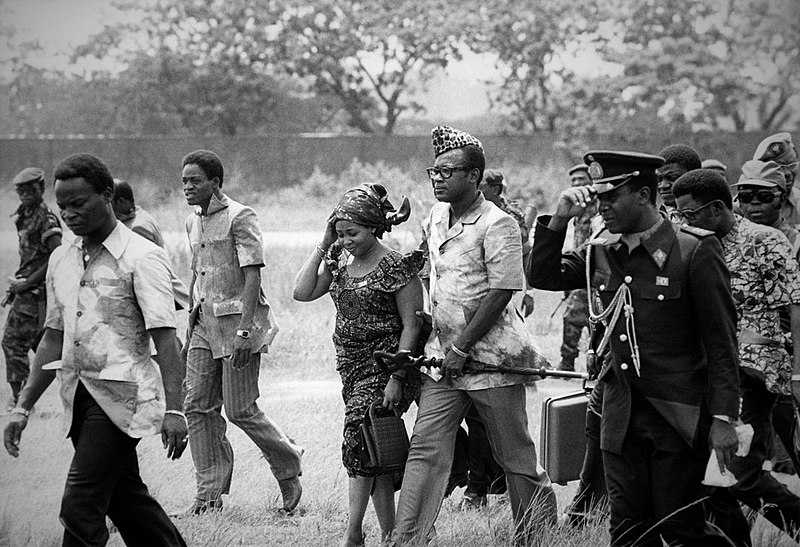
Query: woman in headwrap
x,y
377,294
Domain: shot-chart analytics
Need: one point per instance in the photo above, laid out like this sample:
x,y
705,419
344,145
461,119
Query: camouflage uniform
x,y
25,318
576,314
512,209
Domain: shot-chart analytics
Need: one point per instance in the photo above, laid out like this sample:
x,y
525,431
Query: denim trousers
x,y
503,412
210,385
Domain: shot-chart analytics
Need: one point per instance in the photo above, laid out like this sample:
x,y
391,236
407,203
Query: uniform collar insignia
x,y
660,257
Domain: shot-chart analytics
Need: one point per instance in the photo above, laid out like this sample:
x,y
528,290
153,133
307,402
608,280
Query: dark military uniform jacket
x,y
685,324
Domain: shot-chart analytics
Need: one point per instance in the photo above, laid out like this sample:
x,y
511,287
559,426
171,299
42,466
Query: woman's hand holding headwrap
x,y
369,205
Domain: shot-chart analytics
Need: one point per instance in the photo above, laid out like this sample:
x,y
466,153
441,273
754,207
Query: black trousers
x,y
654,486
104,480
592,486
759,489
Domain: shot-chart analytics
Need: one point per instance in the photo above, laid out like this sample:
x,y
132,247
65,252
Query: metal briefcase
x,y
563,436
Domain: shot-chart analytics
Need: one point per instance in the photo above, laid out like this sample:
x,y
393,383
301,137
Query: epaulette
x,y
699,232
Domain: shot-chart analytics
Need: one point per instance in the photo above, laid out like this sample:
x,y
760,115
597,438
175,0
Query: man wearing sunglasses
x,y
766,280
39,233
780,149
761,195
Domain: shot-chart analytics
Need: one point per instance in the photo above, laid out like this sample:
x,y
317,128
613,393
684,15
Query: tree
x,y
529,40
731,64
205,63
369,55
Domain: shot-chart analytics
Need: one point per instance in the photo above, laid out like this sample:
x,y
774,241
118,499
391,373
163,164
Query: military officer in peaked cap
x,y
667,316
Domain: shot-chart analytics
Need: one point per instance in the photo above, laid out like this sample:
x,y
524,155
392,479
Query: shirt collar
x,y
115,243
215,205
473,212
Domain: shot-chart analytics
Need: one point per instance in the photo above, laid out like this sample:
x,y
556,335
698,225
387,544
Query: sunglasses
x,y
764,196
445,171
691,214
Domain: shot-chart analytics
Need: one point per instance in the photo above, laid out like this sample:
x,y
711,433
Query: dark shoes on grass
x,y
291,491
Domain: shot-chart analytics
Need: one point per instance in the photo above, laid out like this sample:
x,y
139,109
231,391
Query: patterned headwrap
x,y
368,205
446,138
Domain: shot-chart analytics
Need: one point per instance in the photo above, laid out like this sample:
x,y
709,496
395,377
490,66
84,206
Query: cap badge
x,y
661,258
595,170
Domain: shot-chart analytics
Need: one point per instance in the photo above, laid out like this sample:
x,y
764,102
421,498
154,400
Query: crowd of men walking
x,y
689,288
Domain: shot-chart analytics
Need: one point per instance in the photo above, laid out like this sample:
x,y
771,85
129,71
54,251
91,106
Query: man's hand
x,y
452,366
528,305
174,435
17,284
392,393
724,442
573,201
13,433
242,352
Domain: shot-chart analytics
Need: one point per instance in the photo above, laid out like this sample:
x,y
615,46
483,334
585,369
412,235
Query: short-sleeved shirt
x,y
35,225
481,251
141,222
764,278
224,240
105,302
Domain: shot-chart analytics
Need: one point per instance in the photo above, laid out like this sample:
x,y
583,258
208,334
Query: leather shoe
x,y
200,507
291,492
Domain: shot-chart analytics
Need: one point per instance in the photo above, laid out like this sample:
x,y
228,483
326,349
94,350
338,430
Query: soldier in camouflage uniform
x,y
576,315
39,233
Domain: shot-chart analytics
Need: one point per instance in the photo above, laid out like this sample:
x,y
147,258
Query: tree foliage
x,y
731,64
529,40
205,63
369,55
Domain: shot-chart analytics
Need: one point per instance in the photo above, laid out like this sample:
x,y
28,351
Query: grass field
x,y
300,390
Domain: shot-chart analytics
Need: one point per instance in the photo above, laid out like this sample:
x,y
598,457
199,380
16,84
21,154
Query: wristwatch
x,y
243,334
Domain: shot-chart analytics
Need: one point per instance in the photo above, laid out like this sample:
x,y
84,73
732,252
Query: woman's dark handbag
x,y
384,440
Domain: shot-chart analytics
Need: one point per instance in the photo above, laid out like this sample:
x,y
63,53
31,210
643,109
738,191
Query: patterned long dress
x,y
367,320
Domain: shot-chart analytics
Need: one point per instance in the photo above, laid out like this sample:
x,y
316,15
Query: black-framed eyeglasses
x,y
691,214
764,196
445,171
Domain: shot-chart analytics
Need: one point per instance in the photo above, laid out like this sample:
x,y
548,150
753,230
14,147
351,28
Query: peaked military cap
x,y
762,173
446,138
578,167
29,174
778,148
611,169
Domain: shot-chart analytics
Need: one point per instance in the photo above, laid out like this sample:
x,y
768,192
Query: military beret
x,y
578,167
610,169
713,164
29,174
446,138
762,173
778,148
